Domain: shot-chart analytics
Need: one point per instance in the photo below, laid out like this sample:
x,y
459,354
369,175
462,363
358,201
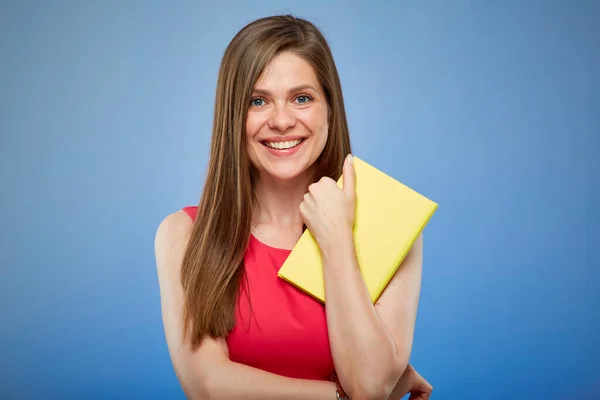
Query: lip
x,y
287,138
286,152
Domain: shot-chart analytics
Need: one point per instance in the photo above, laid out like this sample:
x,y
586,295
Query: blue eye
x,y
257,102
303,99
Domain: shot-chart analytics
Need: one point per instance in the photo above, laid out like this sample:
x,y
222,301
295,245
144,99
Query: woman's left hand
x,y
329,211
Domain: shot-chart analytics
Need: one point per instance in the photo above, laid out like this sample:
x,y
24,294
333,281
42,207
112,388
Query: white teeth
x,y
283,145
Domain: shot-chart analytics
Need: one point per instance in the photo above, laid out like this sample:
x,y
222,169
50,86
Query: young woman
x,y
234,329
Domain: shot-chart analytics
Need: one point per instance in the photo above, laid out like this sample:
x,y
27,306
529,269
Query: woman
x,y
234,330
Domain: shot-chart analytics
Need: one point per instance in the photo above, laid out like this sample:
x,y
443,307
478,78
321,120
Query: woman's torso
x,y
281,330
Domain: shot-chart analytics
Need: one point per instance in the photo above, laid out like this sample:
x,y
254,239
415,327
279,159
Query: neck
x,y
278,201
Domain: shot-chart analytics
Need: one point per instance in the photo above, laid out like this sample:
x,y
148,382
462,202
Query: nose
x,y
281,118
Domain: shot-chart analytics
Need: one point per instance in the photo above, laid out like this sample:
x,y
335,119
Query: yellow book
x,y
389,217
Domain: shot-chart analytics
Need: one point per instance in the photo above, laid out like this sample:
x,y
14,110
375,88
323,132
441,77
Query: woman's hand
x,y
413,383
329,211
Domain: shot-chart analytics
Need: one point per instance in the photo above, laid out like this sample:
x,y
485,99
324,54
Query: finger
x,y
420,391
349,180
418,396
303,211
309,200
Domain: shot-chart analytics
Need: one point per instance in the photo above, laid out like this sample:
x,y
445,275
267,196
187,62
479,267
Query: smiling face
x,y
287,122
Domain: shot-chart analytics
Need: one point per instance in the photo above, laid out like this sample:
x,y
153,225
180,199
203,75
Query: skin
x,y
370,344
279,110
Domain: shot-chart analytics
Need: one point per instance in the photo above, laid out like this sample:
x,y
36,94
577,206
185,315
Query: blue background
x,y
490,108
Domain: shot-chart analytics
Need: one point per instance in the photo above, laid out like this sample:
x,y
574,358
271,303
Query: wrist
x,y
340,245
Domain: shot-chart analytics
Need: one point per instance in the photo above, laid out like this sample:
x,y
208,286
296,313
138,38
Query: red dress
x,y
286,332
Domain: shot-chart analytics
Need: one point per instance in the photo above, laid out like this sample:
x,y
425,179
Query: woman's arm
x,y
411,382
370,344
208,373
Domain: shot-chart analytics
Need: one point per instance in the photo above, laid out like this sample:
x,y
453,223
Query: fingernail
x,y
350,158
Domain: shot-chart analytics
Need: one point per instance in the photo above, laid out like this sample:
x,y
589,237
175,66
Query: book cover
x,y
389,218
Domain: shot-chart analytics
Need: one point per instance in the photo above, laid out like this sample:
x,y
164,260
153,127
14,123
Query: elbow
x,y
377,384
200,387
204,388
198,391
205,379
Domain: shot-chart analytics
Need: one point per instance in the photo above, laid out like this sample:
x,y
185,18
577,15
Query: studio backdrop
x,y
491,109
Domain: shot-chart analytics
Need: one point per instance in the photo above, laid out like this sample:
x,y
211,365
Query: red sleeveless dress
x,y
285,332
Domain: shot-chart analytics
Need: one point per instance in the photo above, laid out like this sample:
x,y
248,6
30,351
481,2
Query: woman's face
x,y
287,123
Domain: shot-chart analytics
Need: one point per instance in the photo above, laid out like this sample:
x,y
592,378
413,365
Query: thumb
x,y
349,177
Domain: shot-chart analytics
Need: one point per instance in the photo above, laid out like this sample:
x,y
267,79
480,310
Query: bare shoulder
x,y
171,239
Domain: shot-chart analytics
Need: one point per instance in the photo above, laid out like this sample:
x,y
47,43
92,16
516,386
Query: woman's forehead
x,y
287,72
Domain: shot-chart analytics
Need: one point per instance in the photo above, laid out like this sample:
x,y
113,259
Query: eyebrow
x,y
292,90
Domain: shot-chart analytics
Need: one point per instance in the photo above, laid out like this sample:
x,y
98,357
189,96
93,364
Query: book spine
x,y
379,290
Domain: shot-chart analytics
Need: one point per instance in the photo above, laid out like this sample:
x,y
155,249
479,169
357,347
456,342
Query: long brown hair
x,y
212,266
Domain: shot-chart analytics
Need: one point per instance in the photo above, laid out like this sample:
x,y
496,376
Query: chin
x,y
286,170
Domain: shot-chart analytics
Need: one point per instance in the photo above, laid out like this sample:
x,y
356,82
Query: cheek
x,y
320,126
316,121
253,124
252,128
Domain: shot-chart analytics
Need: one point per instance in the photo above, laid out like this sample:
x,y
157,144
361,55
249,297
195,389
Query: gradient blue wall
x,y
490,108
